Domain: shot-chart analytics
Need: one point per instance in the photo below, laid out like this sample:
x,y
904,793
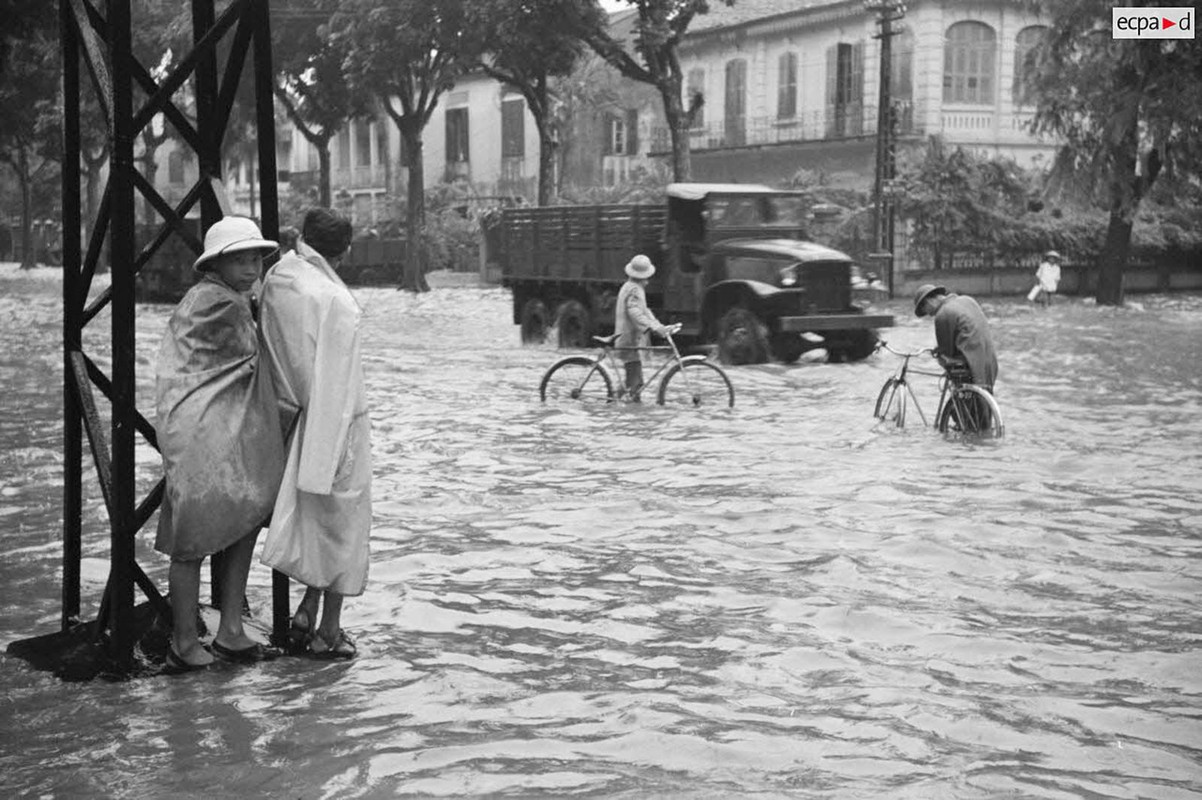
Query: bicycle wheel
x,y
576,378
891,403
696,382
971,410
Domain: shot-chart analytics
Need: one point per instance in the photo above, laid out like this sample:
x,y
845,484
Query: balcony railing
x,y
853,122
845,123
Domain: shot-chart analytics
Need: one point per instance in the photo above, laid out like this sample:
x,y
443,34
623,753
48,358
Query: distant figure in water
x,y
1047,279
322,518
218,429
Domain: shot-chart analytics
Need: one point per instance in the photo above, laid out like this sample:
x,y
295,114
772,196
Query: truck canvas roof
x,y
697,191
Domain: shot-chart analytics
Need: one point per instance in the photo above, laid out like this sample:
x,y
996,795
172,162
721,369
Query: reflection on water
x,y
775,600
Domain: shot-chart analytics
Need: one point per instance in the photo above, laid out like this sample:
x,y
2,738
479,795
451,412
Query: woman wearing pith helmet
x,y
633,322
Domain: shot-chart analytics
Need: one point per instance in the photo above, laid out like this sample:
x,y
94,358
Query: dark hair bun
x,y
326,232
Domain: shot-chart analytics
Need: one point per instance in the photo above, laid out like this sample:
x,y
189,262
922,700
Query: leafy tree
x,y
407,53
311,83
1125,109
30,144
659,30
529,49
590,86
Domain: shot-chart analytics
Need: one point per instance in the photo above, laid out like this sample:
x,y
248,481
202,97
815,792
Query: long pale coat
x,y
217,425
633,322
962,330
310,324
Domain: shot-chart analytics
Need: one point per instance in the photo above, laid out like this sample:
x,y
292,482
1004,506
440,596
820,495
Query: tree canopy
x,y
659,29
1126,110
407,53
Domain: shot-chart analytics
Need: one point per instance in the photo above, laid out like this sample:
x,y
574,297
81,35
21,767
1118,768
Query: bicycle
x,y
964,408
687,380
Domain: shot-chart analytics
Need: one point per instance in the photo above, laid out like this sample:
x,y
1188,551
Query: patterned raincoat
x,y
217,424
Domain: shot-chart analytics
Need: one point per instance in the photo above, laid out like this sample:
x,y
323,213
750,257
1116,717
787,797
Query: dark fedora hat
x,y
925,291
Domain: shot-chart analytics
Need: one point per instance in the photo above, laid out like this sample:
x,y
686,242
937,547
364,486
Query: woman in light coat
x,y
319,528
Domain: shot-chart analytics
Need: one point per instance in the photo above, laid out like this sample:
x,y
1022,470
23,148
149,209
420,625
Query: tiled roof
x,y
723,16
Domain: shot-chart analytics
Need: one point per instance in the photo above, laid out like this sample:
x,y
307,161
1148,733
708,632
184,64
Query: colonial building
x,y
794,84
787,85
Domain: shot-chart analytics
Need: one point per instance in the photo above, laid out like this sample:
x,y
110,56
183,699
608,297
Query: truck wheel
x,y
534,322
852,346
742,338
787,347
574,323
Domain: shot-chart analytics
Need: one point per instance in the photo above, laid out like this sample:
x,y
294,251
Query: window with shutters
x,y
457,136
344,147
845,89
696,86
736,103
969,62
363,142
621,133
786,86
513,128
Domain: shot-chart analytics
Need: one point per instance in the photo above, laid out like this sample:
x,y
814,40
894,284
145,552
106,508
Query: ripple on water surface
x,y
777,600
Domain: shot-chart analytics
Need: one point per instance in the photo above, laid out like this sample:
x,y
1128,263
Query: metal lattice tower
x,y
97,46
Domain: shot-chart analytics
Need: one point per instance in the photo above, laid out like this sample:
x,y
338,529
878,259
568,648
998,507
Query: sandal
x,y
174,664
342,647
298,634
246,655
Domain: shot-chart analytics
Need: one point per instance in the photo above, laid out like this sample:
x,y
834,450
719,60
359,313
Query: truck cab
x,y
741,274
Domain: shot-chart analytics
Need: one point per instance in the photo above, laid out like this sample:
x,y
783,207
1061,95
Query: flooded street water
x,y
776,600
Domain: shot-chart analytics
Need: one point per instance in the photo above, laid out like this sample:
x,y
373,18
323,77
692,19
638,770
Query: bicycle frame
x,y
899,382
607,354
955,408
682,378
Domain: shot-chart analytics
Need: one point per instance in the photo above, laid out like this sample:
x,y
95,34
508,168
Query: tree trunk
x,y
323,180
1114,260
29,258
546,165
252,180
1124,199
413,272
674,115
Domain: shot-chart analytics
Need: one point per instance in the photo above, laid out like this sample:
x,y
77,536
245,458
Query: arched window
x,y
969,63
1025,43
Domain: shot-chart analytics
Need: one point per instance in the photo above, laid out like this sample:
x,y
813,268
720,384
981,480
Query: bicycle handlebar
x,y
882,344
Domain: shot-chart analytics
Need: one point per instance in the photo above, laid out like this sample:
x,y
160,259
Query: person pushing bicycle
x,y
633,321
962,337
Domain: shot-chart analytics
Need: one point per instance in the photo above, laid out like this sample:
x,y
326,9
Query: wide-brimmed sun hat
x,y
925,291
1052,254
230,235
640,267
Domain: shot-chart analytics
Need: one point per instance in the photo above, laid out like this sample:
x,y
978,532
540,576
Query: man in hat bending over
x,y
322,517
961,332
633,321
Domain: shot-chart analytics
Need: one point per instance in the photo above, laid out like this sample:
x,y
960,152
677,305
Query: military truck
x,y
734,269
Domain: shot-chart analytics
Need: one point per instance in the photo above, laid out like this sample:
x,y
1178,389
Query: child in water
x,y
219,433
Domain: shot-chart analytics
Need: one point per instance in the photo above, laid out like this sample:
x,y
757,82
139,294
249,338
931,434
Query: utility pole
x,y
887,12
